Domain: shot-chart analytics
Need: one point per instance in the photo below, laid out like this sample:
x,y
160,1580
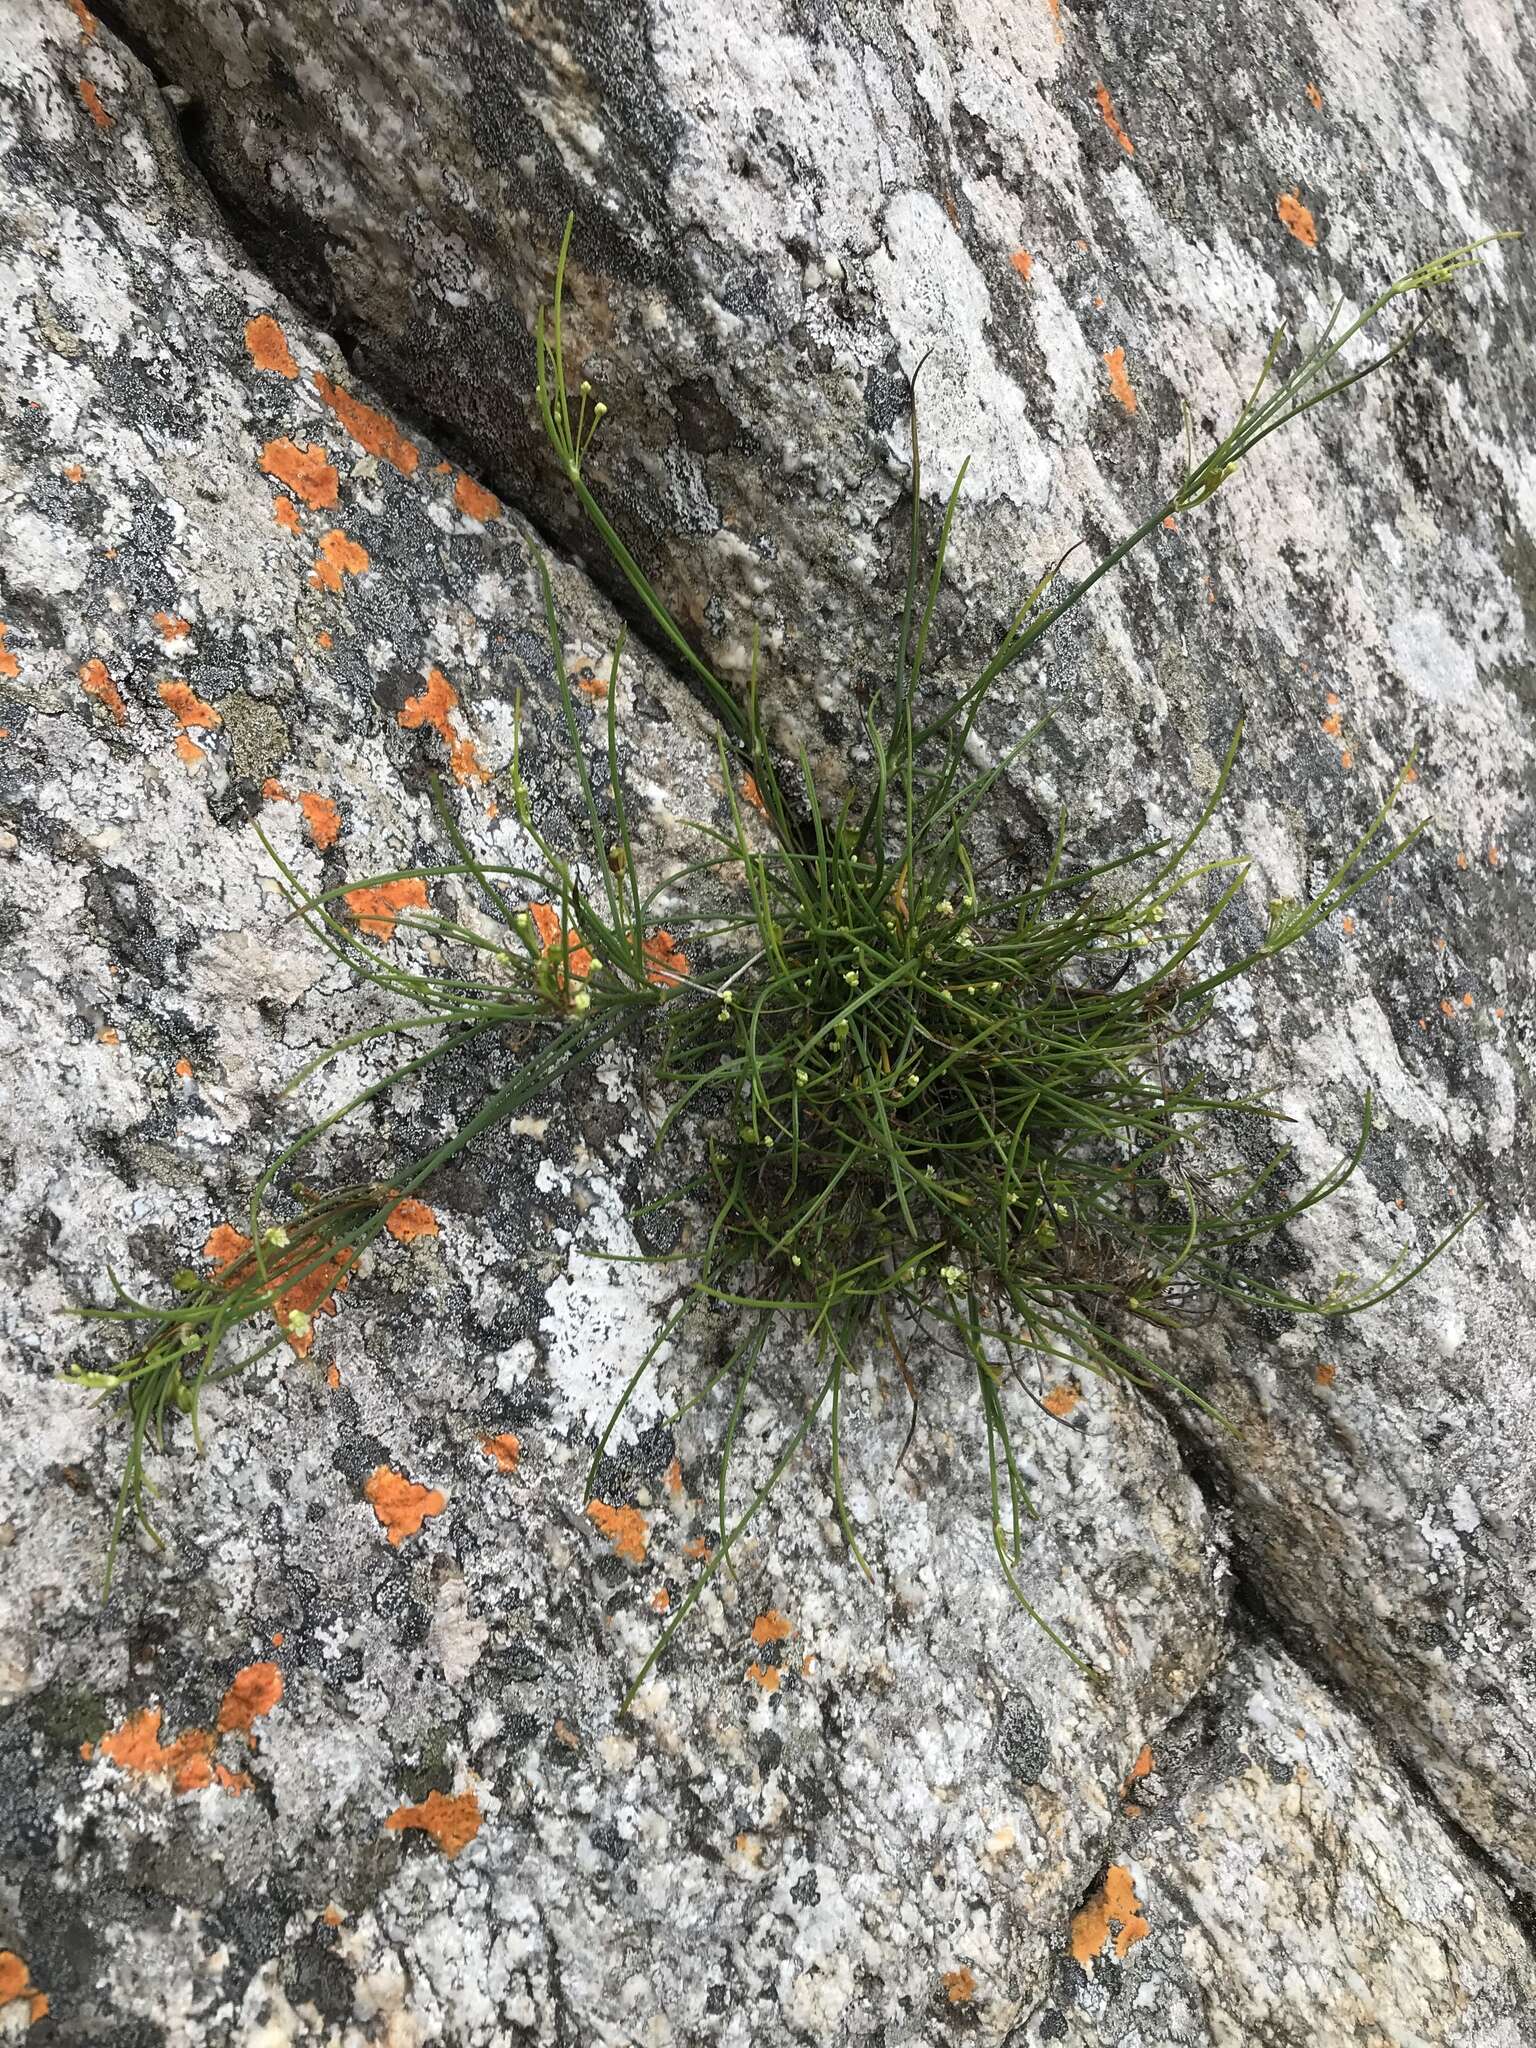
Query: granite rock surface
x,y
343,1763
1089,217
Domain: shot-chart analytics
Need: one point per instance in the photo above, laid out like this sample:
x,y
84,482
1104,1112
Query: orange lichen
x,y
369,429
286,513
672,1479
183,1070
91,99
1061,1400
435,706
186,707
1111,119
578,961
1115,1905
16,1984
87,21
312,1295
324,640
752,794
1314,97
338,557
625,1528
409,1220
252,1693
312,1292
377,909
307,472
137,1747
771,1627
505,1449
1347,926
452,1823
268,346
765,1676
660,1600
696,1547
9,665
171,628
322,820
1346,760
76,475
1326,1375
333,1377
109,1037
400,1504
1119,382
188,751
224,1244
668,965
1023,263
1333,725
1297,218
1142,1768
1466,1002
333,1916
589,682
97,683
959,1985
474,500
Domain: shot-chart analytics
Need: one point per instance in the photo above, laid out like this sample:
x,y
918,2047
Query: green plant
x,y
911,1098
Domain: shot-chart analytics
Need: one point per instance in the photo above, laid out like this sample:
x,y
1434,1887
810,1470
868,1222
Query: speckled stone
x,y
297,1782
1088,216
436,1827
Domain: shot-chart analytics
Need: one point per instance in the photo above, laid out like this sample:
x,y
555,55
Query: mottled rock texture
x,y
1088,216
343,1765
1274,1880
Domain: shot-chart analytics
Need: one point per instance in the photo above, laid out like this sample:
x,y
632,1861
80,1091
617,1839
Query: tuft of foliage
x,y
905,1099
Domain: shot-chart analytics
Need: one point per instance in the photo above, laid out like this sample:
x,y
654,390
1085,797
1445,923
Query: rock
x,y
1275,1879
343,1762
1088,219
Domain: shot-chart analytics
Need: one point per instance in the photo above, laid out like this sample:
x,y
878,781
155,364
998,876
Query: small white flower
x,y
951,1275
794,1258
852,977
944,910
581,1001
801,1076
